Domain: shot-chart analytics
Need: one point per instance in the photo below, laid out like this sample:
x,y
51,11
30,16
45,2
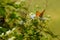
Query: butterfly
x,y
40,14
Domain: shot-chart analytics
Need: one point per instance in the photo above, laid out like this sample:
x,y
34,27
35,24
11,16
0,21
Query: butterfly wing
x,y
37,13
41,14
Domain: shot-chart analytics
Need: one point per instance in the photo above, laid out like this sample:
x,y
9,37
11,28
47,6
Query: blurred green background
x,y
53,9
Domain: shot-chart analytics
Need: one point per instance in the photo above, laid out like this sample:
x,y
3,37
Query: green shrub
x,y
20,24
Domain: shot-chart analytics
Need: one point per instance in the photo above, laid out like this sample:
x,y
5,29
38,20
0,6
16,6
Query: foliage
x,y
20,24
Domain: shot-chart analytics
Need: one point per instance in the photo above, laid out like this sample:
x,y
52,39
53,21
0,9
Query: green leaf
x,y
20,37
13,15
3,30
2,11
35,22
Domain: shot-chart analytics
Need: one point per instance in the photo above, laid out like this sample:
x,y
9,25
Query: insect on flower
x,y
40,14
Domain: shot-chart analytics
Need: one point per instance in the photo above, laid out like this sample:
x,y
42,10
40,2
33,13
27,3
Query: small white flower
x,y
13,29
32,15
18,2
45,18
21,22
2,34
42,18
12,38
8,32
0,27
